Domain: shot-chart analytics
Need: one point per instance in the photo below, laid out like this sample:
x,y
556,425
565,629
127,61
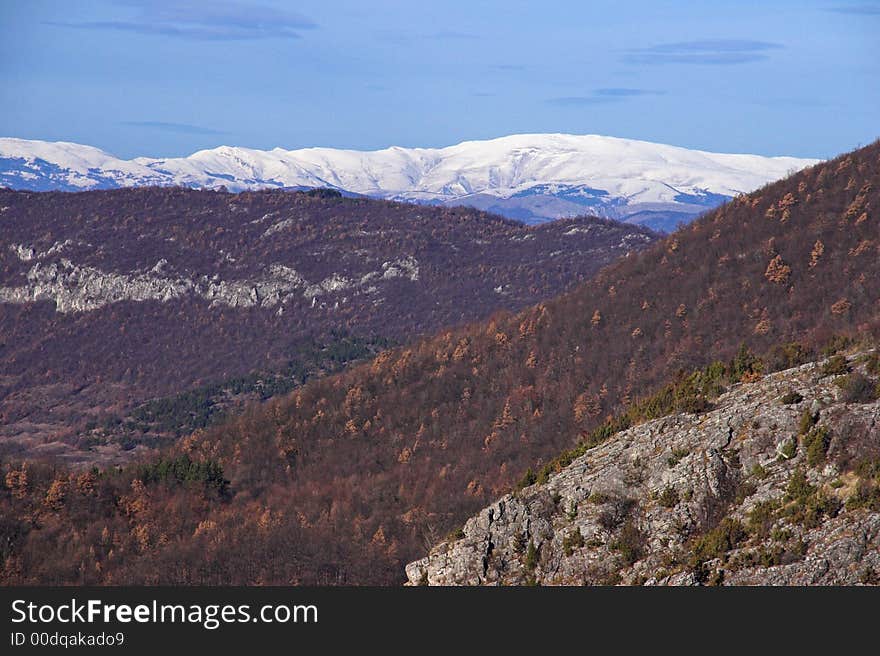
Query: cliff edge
x,y
777,484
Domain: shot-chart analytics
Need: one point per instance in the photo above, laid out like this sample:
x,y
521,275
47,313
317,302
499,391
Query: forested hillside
x,y
111,299
353,475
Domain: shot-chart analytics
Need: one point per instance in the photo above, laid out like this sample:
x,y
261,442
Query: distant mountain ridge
x,y
528,177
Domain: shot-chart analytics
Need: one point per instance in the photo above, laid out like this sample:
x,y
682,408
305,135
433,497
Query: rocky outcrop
x,y
74,288
776,485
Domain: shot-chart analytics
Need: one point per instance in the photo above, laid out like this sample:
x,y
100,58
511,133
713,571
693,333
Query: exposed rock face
x,y
74,288
748,493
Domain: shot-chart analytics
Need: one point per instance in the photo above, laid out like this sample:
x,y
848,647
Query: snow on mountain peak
x,y
528,176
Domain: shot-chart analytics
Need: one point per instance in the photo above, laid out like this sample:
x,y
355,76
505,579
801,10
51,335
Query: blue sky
x,y
168,78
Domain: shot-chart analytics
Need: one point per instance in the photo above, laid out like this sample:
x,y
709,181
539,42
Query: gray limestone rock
x,y
632,509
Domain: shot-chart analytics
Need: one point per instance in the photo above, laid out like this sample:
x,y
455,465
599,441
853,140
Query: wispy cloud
x,y
623,92
180,128
603,96
858,10
399,37
203,21
719,52
452,35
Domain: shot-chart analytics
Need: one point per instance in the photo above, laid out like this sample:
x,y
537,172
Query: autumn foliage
x,y
352,475
59,372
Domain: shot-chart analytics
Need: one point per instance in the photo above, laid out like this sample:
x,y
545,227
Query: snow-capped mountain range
x,y
531,177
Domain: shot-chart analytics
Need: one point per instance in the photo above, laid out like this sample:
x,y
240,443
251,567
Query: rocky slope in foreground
x,y
777,485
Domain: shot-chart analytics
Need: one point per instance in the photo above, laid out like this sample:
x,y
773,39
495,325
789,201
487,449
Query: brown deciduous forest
x,y
180,290
354,474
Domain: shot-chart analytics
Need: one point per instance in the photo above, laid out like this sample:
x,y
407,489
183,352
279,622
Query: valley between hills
x,y
133,317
